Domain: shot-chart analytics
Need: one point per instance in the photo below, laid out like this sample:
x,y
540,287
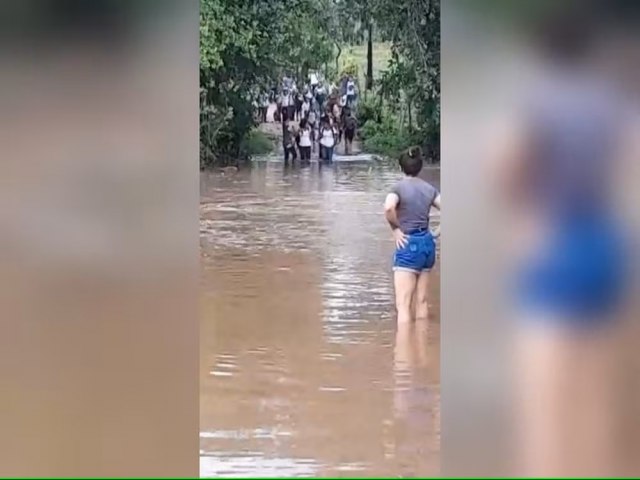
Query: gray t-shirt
x,y
416,197
575,130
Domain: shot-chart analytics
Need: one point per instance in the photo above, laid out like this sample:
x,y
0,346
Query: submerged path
x,y
274,129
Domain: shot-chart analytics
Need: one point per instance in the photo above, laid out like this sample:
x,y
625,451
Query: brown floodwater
x,y
302,370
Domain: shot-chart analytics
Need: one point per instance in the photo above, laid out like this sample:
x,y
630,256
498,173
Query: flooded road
x,y
302,370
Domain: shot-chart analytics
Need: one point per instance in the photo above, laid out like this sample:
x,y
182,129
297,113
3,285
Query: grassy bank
x,y
357,54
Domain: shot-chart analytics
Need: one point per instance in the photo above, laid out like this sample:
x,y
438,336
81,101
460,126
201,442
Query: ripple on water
x,y
238,466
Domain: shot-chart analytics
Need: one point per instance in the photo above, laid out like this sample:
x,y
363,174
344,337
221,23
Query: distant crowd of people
x,y
324,115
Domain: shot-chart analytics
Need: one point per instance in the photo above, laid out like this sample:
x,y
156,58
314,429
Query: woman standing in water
x,y
349,124
289,134
286,102
328,135
558,160
305,142
406,209
351,92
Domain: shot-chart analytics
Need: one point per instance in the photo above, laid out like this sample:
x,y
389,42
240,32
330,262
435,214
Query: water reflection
x,y
302,372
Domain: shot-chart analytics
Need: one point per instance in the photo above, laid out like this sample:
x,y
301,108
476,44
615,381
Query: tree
x,y
413,27
369,83
363,13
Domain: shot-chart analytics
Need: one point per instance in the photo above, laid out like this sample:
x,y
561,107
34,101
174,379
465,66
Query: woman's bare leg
x,y
421,297
422,342
405,286
402,367
564,384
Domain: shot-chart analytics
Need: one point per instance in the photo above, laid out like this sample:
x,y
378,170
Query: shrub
x,y
369,109
350,67
257,143
389,144
386,137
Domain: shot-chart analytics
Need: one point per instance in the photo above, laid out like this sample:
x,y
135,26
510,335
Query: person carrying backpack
x,y
350,124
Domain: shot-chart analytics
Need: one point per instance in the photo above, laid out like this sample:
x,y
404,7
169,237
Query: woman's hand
x,y
400,238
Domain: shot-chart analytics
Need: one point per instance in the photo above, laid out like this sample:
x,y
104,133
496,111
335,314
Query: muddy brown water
x,y
302,370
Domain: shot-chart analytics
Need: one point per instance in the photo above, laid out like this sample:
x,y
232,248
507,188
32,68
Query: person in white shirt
x,y
313,83
285,98
351,92
305,108
305,133
288,104
328,135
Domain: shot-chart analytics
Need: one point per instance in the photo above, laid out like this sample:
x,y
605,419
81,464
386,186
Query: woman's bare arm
x,y
390,212
436,231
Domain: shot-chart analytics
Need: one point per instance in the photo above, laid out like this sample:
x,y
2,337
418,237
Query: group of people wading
x,y
324,116
325,119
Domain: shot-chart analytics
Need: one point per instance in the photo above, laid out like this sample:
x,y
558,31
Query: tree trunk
x,y
410,124
369,82
338,59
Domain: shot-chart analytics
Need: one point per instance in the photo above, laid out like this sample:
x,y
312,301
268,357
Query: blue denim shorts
x,y
580,276
418,255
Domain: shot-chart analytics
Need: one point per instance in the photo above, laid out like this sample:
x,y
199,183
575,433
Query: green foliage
x,y
413,76
370,109
245,45
408,87
387,138
357,54
330,72
382,130
257,143
350,68
349,20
